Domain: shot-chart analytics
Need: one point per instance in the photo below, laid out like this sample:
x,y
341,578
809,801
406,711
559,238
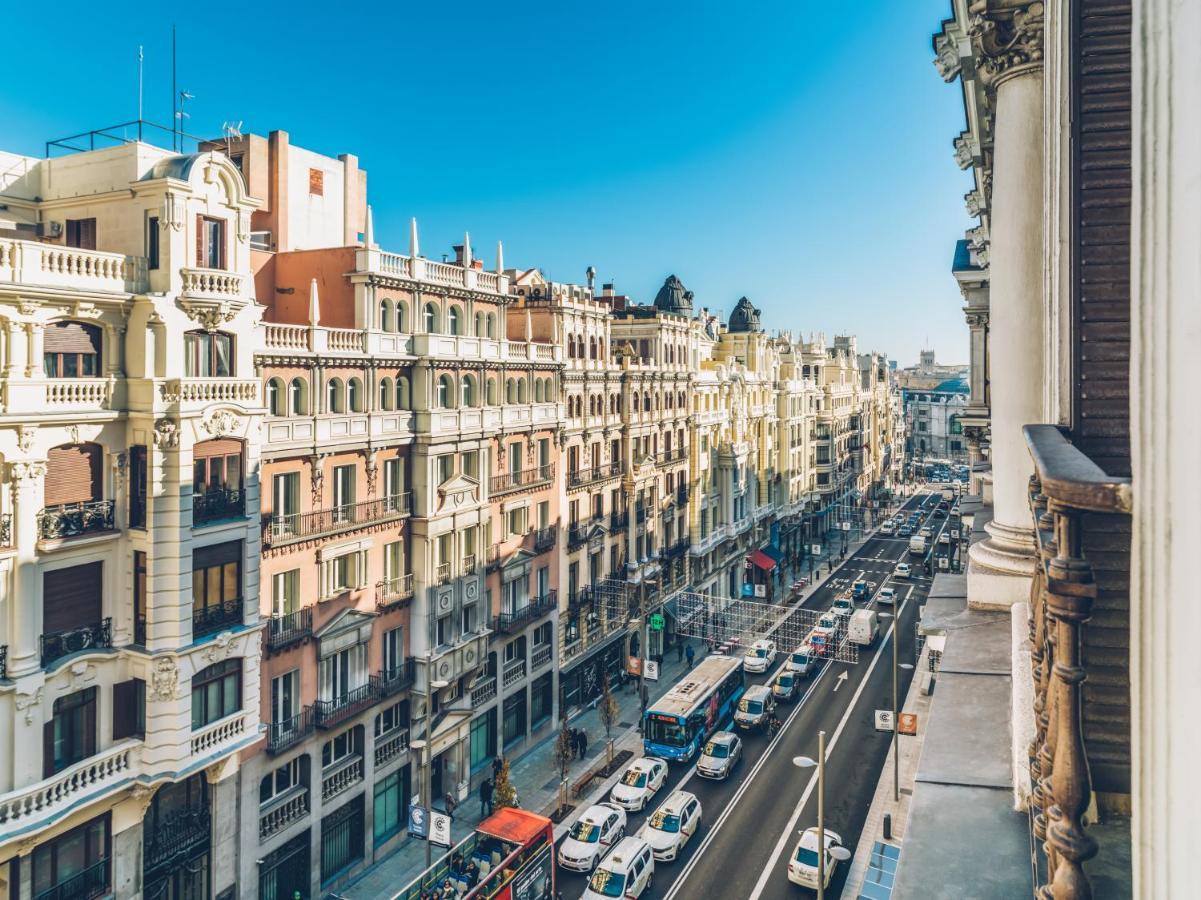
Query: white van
x,y
627,871
862,628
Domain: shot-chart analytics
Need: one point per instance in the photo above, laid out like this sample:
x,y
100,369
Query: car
x,y
628,871
721,754
803,863
927,532
671,825
755,708
954,534
886,527
785,685
901,571
862,628
638,783
859,589
760,656
801,659
820,643
843,605
828,621
886,595
944,538
939,514
599,828
905,531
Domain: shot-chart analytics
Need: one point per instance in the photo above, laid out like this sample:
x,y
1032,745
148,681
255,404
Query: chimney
x,y
607,289
591,275
458,248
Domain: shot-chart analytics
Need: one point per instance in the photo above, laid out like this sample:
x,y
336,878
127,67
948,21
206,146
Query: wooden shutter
x,y
48,748
129,698
200,242
1101,241
218,447
71,337
217,555
72,597
73,474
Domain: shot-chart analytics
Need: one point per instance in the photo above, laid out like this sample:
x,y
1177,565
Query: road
x,y
750,822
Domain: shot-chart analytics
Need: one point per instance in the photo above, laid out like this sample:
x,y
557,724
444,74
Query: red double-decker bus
x,y
510,856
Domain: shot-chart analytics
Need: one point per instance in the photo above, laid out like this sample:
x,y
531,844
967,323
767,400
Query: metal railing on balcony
x,y
215,505
73,519
1080,735
288,629
89,882
592,474
284,529
484,691
682,494
56,645
442,573
676,549
290,731
619,520
217,617
6,530
397,679
176,837
328,713
544,539
391,593
514,620
577,533
679,454
523,480
3,661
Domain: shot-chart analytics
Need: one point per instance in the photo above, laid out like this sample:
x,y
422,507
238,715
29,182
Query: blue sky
x,y
795,152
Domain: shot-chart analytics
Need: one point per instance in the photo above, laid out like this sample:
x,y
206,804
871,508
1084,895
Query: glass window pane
x,y
232,587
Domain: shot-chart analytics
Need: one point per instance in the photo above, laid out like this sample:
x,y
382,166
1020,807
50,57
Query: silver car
x,y
721,754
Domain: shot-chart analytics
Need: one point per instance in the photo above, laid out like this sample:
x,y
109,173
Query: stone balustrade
x,y
212,283
209,390
84,782
282,811
79,393
341,776
224,732
51,265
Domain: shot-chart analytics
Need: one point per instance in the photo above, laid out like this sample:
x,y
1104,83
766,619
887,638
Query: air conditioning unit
x,y
50,229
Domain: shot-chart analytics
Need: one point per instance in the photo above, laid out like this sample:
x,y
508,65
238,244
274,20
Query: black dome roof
x,y
745,317
673,298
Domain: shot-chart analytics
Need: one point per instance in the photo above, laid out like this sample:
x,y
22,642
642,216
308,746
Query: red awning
x,y
762,560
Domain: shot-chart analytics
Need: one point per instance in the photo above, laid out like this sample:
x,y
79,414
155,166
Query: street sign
x,y
761,590
884,720
816,549
440,829
846,526
656,622
419,822
907,723
652,670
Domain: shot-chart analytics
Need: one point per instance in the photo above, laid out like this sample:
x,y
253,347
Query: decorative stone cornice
x,y
946,50
1007,37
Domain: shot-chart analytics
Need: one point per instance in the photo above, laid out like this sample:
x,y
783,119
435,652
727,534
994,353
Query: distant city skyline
x,y
791,171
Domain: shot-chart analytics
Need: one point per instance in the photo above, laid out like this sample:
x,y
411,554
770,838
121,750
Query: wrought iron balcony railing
x,y
393,681
215,505
3,661
328,713
288,629
290,731
6,530
217,617
285,529
593,474
515,620
508,482
85,884
618,520
56,645
544,539
73,519
393,592
176,837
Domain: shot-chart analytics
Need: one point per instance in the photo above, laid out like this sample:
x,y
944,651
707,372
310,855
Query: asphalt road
x,y
750,822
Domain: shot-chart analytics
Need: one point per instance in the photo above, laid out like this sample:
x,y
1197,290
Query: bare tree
x,y
609,713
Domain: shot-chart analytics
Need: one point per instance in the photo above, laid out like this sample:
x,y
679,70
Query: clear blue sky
x,y
798,152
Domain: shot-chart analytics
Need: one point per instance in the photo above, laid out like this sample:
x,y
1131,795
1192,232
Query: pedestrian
x,y
583,743
495,768
450,803
486,797
690,653
679,650
575,744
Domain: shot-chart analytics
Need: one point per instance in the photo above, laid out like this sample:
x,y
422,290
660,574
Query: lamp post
x,y
642,639
839,853
896,757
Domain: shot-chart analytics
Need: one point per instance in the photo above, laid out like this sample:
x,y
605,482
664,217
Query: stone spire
x,y
466,250
369,230
500,258
314,305
414,247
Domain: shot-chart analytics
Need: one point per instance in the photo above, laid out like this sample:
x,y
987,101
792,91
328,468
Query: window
x,y
514,717
468,398
543,634
152,236
75,865
291,774
515,650
469,618
344,491
70,736
216,587
343,573
139,597
541,699
216,692
275,397
394,718
210,243
71,350
431,319
298,399
391,803
334,402
216,466
129,709
138,477
340,673
443,631
490,392
386,394
354,392
346,745
81,233
316,182
453,320
446,392
471,463
483,739
394,560
544,451
342,838
394,484
285,592
285,491
209,354
446,467
517,521
285,700
394,646
386,320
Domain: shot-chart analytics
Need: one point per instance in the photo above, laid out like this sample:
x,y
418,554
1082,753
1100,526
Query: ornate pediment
x,y
458,491
211,314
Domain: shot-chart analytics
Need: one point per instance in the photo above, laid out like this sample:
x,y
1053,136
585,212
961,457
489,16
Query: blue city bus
x,y
679,723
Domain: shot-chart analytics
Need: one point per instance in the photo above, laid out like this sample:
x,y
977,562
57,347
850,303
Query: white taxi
x,y
671,825
760,656
599,828
629,871
803,863
639,782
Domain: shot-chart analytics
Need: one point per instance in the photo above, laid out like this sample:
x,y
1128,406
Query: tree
x,y
564,754
504,795
609,712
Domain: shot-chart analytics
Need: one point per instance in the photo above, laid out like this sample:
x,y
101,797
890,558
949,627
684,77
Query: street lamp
x,y
896,757
642,639
839,853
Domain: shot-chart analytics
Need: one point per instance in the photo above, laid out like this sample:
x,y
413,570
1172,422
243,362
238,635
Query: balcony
x,y
178,834
682,494
217,617
541,657
618,520
341,776
82,394
483,692
221,736
678,549
285,630
577,532
468,564
56,645
393,681
442,573
390,745
544,539
89,882
514,672
287,529
210,390
511,622
282,811
74,519
668,457
329,713
52,265
526,479
393,593
581,477
215,505
30,807
216,283
289,732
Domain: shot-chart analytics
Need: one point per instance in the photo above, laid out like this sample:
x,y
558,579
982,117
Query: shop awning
x,y
762,560
775,553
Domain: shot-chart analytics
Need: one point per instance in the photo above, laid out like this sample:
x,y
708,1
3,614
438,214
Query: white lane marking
x,y
842,676
796,813
742,788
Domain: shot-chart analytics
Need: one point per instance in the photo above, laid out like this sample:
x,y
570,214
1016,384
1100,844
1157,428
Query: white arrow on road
x,y
842,676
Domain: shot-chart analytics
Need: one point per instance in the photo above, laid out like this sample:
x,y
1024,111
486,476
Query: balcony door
x,y
344,485
342,672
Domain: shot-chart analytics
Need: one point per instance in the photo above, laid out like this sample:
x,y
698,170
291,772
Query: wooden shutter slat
x,y
72,597
218,447
71,337
199,241
73,474
216,554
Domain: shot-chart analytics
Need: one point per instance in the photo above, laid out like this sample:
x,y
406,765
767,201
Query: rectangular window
x,y
316,182
344,493
75,865
341,838
542,635
291,774
390,805
137,486
208,354
349,743
152,236
541,700
469,618
129,709
515,717
81,233
216,692
285,698
446,467
219,472
543,451
139,597
210,243
285,592
483,739
70,736
394,648
517,521
543,515
471,464
71,350
515,650
394,560
393,718
342,672
216,587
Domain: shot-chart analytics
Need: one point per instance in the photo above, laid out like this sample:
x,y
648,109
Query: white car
x,y
628,871
886,595
599,828
671,825
927,532
801,659
639,782
761,655
803,863
944,538
886,527
843,605
901,571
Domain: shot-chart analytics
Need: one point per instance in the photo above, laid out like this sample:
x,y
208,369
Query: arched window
x,y
454,320
600,348
479,324
446,392
538,390
491,325
386,393
431,319
298,396
592,348
275,397
386,312
490,392
71,350
354,392
208,354
469,398
646,402
510,390
521,390
334,400
402,317
403,400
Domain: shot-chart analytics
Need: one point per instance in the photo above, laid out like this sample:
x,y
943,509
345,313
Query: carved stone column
x,y
26,479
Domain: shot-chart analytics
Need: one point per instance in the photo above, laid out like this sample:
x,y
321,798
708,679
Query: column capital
x,y
26,471
1007,38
